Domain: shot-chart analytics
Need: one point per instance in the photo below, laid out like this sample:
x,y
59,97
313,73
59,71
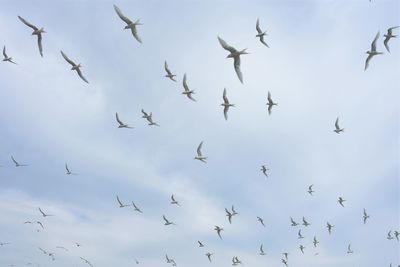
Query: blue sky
x,y
314,69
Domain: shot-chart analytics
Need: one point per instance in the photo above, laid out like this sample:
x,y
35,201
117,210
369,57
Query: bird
x,y
293,222
299,235
120,203
310,190
236,261
286,255
341,200
396,234
302,248
260,33
173,200
229,215
36,31
136,208
264,170
208,254
44,214
129,24
233,211
187,92
68,171
329,226
337,127
388,36
262,250
305,223
219,229
315,241
121,124
167,258
7,58
284,262
389,235
261,221
226,104
365,216
17,164
199,155
4,244
149,118
235,54
169,73
201,245
75,66
372,52
86,261
167,222
270,103
349,251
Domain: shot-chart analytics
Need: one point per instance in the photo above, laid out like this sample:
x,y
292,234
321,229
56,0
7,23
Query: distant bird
x,y
388,36
16,163
229,215
260,33
264,170
201,245
41,225
130,25
136,208
44,214
236,261
187,91
120,203
167,258
36,31
226,104
208,254
149,118
310,190
199,154
315,241
365,216
262,251
341,200
173,201
235,54
121,124
389,235
42,250
293,222
270,103
372,52
233,211
75,66
305,223
261,221
286,255
167,222
169,73
349,251
337,127
4,244
329,226
7,58
302,248
219,229
396,234
284,262
299,235
86,261
68,171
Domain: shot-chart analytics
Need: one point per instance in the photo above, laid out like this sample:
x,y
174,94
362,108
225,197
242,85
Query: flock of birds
x,y
235,54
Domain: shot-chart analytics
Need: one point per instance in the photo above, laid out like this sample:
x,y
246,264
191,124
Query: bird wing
x,y
226,108
135,34
42,212
191,97
262,41
337,124
269,97
78,70
185,84
236,64
67,59
367,61
225,97
119,201
121,16
373,44
39,40
166,68
40,224
118,120
165,219
392,28
27,23
269,109
199,149
4,52
66,167
386,43
226,46
12,158
258,27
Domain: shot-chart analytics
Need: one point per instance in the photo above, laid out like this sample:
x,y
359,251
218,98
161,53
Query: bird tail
x,y
243,52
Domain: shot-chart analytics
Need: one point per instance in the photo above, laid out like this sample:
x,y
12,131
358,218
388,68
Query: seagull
x,y
136,208
121,124
299,235
208,254
36,31
200,244
260,33
302,248
261,221
315,241
338,129
262,250
68,171
229,215
226,104
284,262
305,223
388,36
167,222
130,25
219,229
310,190
75,66
120,203
173,201
396,234
235,54
365,216
373,51
341,200
16,163
44,214
7,58
389,236
86,261
293,222
270,103
349,251
264,170
187,92
199,155
169,73
329,226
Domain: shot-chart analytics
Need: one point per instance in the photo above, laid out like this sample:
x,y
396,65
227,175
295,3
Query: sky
x,y
314,70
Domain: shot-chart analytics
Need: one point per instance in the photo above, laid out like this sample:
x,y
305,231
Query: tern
x,y
75,66
233,211
169,73
341,200
219,229
226,104
120,203
187,92
136,208
261,221
235,54
68,171
373,51
44,214
337,127
208,254
77,244
36,31
229,215
201,245
121,124
7,58
302,248
262,251
299,235
396,234
130,25
365,216
270,103
264,170
286,255
284,261
329,226
305,223
149,118
388,36
260,33
236,261
16,163
389,236
199,155
167,222
293,222
315,241
310,190
349,251
86,261
173,200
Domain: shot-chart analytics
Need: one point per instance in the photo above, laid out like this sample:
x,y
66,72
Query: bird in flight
x,y
235,54
75,66
389,35
201,245
44,214
4,244
6,57
149,118
349,251
310,190
299,235
337,127
226,104
229,215
260,33
199,154
129,24
86,261
302,248
187,91
389,236
262,251
341,200
236,261
264,170
68,171
219,229
261,221
365,216
293,222
169,73
208,254
270,103
36,31
305,223
173,200
41,225
16,163
315,241
121,124
372,52
167,222
329,226
396,234
136,208
284,262
120,203
286,255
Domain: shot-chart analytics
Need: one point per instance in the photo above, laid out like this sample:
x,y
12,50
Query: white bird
x,y
337,127
187,92
16,163
75,66
36,31
149,118
6,57
264,170
299,235
121,124
365,216
388,36
270,103
219,229
229,215
372,52
169,73
293,222
329,226
226,104
199,154
44,214
349,251
315,241
130,25
262,250
260,33
120,203
310,190
208,254
235,54
167,222
261,221
136,207
341,200
200,244
86,261
389,236
173,200
305,223
68,171
302,248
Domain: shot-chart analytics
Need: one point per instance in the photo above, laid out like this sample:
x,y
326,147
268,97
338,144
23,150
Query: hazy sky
x,y
314,70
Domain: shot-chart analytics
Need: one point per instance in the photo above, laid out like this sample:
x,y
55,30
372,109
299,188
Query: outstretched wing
x,y
121,16
236,64
373,44
185,86
199,149
258,27
78,70
135,34
67,59
27,23
226,46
